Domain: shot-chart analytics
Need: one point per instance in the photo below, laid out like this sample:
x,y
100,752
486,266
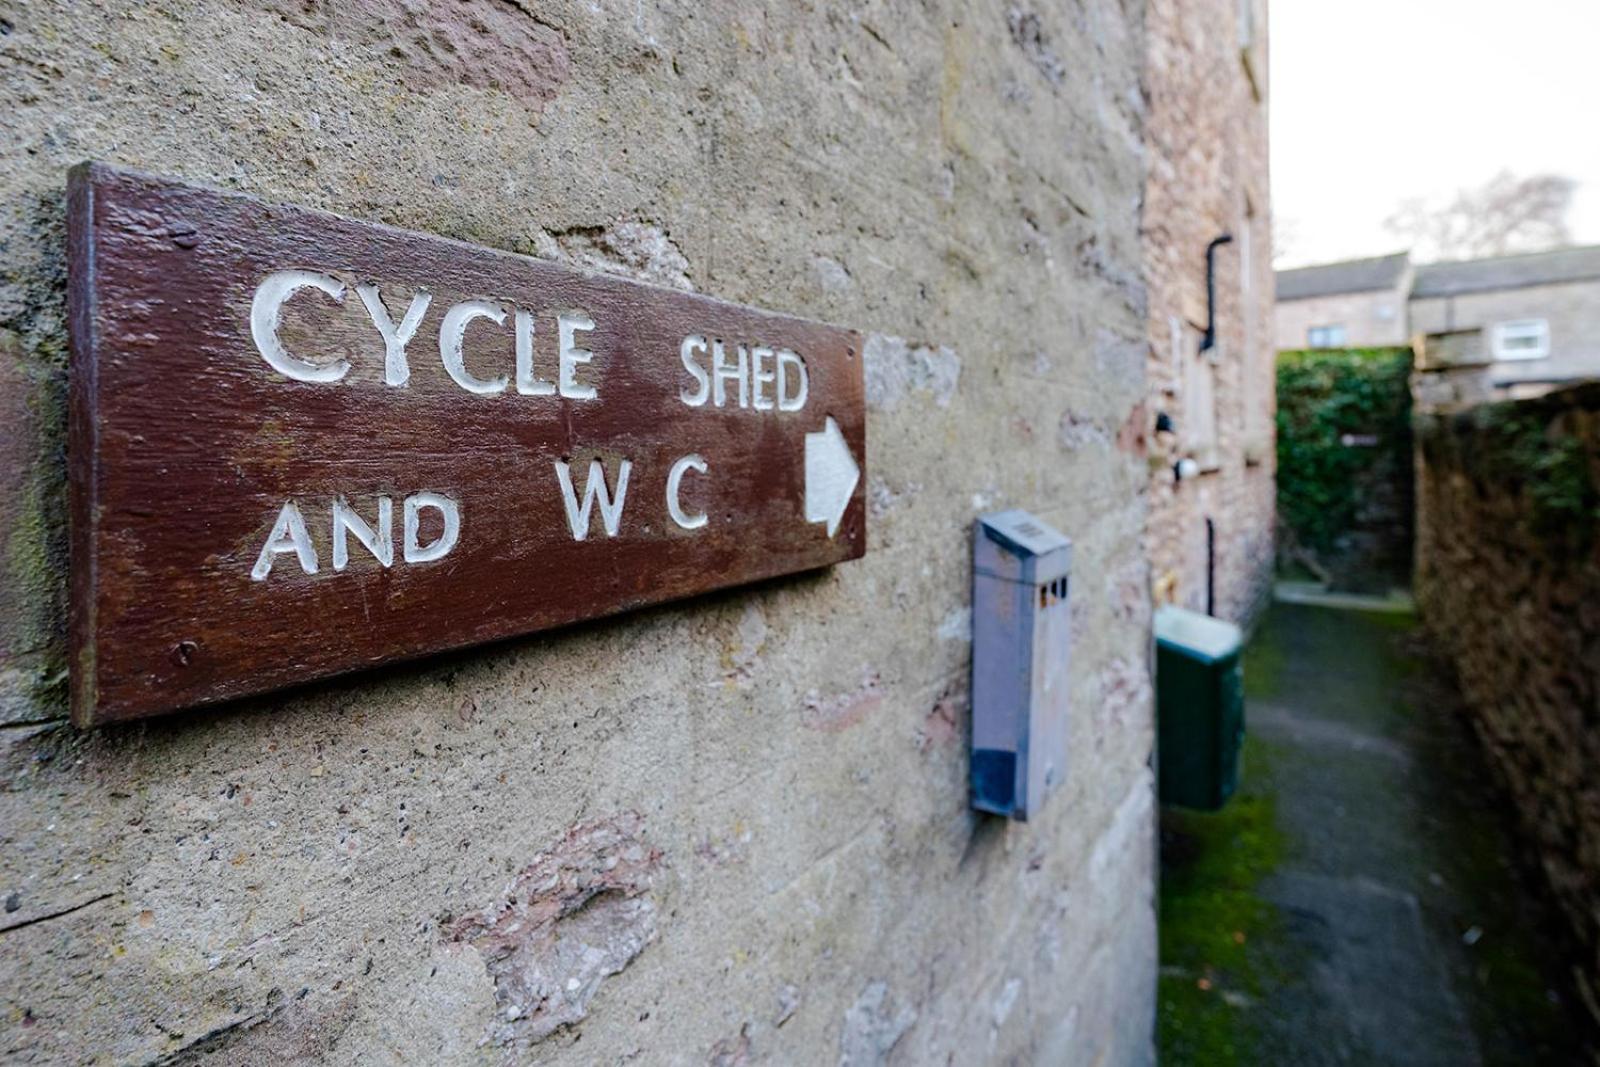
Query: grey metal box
x,y
1020,643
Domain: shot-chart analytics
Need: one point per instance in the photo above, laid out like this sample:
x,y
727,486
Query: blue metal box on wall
x,y
1021,640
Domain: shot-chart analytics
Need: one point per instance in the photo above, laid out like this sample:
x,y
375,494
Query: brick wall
x,y
1206,83
1508,583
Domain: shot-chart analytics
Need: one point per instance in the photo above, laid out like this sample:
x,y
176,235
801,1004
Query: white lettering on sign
x,y
790,385
674,481
379,542
529,383
420,553
755,376
594,489
453,332
719,373
289,534
566,325
692,344
266,312
396,371
759,355
796,400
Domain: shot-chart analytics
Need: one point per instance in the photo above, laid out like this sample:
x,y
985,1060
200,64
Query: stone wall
x,y
1206,83
734,830
1508,583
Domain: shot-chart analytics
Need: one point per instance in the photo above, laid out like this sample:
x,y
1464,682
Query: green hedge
x,y
1322,395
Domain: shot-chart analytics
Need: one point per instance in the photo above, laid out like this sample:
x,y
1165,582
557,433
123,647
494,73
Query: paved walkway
x,y
1363,899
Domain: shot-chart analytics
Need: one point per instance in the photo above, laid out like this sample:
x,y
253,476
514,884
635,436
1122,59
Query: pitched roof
x,y
1351,276
1506,272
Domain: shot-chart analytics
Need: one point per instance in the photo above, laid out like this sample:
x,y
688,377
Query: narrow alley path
x,y
1361,900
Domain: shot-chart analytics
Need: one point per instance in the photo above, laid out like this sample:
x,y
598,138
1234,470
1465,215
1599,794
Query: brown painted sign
x,y
302,444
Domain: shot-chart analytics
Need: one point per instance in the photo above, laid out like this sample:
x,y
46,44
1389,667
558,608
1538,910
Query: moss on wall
x,y
1532,450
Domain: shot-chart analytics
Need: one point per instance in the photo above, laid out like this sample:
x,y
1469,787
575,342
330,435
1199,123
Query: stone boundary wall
x,y
1508,583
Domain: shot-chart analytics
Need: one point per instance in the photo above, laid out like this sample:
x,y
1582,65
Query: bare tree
x,y
1285,238
1505,214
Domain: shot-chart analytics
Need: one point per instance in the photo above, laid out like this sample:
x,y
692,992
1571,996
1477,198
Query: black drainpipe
x,y
1211,568
1210,339
1207,343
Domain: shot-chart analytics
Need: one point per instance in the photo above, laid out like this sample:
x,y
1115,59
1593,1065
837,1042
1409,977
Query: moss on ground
x,y
1240,981
1222,944
1264,660
1217,933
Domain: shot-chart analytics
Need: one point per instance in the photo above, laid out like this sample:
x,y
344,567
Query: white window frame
x,y
1343,338
1515,330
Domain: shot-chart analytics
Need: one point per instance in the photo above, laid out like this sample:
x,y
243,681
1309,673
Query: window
x,y
1326,336
1246,20
1522,339
1198,430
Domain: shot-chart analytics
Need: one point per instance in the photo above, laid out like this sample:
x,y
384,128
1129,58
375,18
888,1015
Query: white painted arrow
x,y
831,476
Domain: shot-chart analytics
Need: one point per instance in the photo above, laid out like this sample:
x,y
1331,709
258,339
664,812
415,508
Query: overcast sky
x,y
1373,101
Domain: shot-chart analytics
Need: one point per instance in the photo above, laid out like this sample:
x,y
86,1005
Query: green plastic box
x,y
1199,708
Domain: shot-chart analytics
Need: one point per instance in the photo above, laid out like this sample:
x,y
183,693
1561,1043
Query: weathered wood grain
x,y
185,444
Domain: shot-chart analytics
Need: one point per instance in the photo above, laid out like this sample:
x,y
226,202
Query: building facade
x,y
1530,320
1207,237
1357,304
1523,322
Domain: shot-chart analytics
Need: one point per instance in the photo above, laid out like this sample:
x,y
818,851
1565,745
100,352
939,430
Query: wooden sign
x,y
302,444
